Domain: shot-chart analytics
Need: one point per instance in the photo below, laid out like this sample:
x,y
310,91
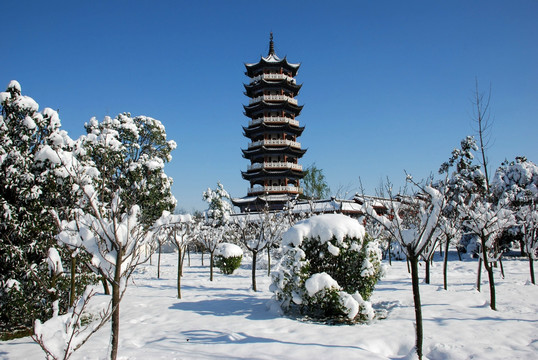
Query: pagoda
x,y
274,171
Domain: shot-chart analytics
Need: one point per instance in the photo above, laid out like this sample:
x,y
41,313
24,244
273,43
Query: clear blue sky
x,y
386,84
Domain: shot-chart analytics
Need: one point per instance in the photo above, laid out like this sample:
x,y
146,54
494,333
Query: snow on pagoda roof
x,y
326,206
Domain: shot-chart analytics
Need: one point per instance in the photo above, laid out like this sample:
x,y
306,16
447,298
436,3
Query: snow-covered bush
x,y
329,269
228,257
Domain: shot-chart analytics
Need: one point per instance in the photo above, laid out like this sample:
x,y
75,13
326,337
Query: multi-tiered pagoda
x,y
274,171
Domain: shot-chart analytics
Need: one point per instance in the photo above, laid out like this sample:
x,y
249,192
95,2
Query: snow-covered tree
x,y
210,236
258,232
216,224
32,184
180,229
115,240
130,153
220,207
414,223
462,179
123,185
487,220
517,183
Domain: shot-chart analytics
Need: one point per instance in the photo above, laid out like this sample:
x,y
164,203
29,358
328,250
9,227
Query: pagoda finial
x,y
271,45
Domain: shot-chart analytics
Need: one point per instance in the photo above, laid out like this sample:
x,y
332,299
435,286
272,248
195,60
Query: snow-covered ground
x,y
224,319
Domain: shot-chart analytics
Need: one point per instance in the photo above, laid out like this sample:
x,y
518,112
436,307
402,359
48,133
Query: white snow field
x,y
224,319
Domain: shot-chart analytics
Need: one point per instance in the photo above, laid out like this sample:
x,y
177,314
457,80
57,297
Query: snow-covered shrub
x,y
329,269
228,257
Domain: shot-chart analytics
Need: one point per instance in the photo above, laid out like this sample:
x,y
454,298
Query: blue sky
x,y
387,85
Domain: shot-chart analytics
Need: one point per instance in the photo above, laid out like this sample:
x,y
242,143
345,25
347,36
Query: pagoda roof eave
x,y
279,83
261,128
272,105
272,61
264,173
273,150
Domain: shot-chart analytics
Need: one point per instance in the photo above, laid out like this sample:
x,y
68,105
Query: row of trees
x,y
464,202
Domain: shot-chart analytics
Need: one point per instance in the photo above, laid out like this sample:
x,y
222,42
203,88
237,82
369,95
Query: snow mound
x,y
227,250
318,282
324,227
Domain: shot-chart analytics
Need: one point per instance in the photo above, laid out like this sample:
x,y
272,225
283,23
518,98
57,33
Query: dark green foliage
x,y
347,267
314,183
355,267
324,305
228,265
30,188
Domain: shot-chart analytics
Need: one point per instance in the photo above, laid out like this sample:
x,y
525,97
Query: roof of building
x,y
261,150
271,60
266,84
264,128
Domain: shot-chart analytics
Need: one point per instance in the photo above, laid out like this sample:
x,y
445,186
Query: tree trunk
x,y
445,265
159,262
522,248
253,272
390,254
179,271
491,278
211,265
104,281
116,307
479,275
268,261
73,282
189,256
202,257
418,305
427,270
531,269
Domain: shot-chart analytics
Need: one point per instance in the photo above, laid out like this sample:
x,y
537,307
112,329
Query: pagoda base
x,y
260,203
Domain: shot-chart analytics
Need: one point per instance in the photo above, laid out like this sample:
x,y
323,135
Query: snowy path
x,y
224,319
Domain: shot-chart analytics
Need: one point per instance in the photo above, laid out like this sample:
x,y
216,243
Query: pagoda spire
x,y
271,45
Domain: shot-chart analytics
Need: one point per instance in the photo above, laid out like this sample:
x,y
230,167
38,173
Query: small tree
x,y
517,183
124,190
314,183
414,223
215,226
487,220
463,179
115,240
180,229
259,232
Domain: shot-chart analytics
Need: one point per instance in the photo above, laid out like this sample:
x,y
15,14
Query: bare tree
x,y
413,222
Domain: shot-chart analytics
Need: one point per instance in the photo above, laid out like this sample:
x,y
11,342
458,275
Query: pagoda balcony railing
x,y
273,98
291,143
274,119
273,77
272,189
275,165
